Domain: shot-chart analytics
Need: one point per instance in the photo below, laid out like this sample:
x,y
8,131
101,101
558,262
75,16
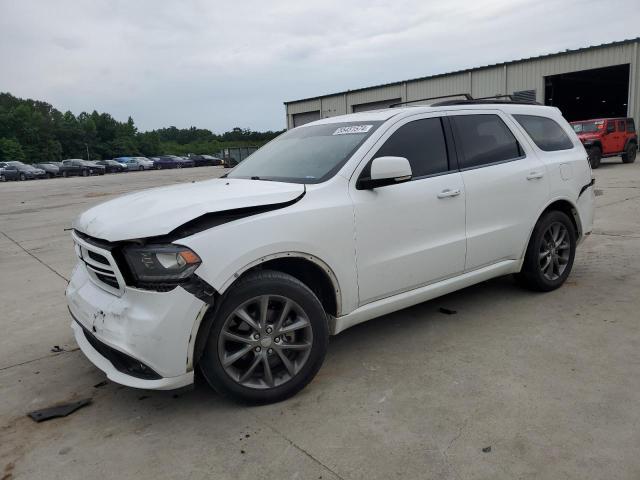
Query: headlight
x,y
161,263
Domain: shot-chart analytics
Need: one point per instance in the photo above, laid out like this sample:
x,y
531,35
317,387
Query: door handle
x,y
447,192
535,175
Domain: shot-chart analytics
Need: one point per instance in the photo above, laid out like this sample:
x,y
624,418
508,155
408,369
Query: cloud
x,y
223,64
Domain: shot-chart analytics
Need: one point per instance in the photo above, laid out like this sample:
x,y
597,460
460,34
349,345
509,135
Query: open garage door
x,y
596,93
306,117
364,107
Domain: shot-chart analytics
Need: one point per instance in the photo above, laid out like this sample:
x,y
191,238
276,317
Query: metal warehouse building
x,y
591,82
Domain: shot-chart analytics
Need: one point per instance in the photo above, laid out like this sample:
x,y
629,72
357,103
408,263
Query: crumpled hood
x,y
158,211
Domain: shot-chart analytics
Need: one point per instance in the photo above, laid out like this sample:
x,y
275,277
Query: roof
x,y
466,70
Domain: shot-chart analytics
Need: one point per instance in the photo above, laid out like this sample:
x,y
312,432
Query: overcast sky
x,y
218,65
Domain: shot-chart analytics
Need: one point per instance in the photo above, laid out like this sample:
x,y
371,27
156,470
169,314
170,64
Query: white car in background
x,y
136,163
331,224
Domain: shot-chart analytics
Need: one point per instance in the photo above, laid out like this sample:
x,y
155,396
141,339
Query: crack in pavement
x,y
297,447
35,257
26,362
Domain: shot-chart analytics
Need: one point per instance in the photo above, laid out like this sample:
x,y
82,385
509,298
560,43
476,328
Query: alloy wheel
x,y
265,342
555,250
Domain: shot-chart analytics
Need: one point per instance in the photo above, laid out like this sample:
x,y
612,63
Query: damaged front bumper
x,y
140,339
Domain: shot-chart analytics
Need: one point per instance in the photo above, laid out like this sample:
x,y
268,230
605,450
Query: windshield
x,y
588,127
306,155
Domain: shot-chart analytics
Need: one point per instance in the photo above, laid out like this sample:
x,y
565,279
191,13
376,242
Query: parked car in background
x,y
111,166
608,137
205,160
136,163
164,162
8,172
50,169
185,162
28,172
78,167
331,224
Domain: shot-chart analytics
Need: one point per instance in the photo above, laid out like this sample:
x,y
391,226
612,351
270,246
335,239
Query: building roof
x,y
547,55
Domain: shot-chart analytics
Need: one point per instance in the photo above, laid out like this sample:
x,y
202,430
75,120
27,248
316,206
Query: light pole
x,y
86,145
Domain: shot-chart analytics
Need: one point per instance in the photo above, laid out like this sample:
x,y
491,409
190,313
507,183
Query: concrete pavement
x,y
548,381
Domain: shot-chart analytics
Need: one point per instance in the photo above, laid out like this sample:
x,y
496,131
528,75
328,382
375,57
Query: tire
x,y
85,173
533,275
629,156
23,177
285,379
595,155
3,178
158,167
65,174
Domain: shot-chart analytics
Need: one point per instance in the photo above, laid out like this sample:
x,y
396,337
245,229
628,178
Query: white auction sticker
x,y
352,129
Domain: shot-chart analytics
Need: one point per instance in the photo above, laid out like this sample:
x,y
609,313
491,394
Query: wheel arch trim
x,y
576,218
289,254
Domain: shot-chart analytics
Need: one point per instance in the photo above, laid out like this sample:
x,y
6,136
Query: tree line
x,y
34,131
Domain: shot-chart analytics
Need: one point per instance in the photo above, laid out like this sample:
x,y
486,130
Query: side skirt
x,y
419,295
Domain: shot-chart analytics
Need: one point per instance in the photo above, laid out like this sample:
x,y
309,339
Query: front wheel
x,y
23,177
85,173
550,253
629,155
595,155
268,339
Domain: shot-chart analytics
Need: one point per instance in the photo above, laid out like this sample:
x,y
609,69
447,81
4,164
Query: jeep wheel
x,y
629,156
268,339
550,253
595,155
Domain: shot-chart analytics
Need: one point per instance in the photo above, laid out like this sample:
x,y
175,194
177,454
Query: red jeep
x,y
608,137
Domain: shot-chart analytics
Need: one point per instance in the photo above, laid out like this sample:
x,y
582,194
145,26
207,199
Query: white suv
x,y
331,224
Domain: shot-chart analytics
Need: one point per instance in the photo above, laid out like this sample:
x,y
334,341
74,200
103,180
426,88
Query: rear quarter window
x,y
545,132
484,140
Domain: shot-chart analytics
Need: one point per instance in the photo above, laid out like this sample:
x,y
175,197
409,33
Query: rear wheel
x,y
268,339
629,156
595,155
550,253
23,177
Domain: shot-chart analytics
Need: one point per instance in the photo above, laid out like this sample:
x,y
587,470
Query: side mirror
x,y
386,171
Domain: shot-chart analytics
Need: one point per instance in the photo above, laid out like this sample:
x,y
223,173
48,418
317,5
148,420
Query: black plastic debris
x,y
56,349
101,384
486,449
447,311
58,410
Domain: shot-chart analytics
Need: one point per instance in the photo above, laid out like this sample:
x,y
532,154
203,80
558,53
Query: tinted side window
x,y
484,139
631,127
621,126
545,132
422,143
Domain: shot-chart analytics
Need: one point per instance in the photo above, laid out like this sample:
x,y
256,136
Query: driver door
x,y
413,233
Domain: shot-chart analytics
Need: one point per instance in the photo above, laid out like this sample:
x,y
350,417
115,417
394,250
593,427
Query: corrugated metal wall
x,y
481,82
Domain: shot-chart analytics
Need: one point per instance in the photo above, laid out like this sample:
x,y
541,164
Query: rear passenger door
x,y
410,234
505,184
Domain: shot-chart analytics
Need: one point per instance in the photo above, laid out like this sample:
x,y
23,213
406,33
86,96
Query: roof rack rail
x,y
467,96
469,100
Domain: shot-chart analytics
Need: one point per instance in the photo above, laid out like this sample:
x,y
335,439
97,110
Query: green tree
x,y
10,149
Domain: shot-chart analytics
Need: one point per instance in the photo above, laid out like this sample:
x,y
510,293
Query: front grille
x,y
96,256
